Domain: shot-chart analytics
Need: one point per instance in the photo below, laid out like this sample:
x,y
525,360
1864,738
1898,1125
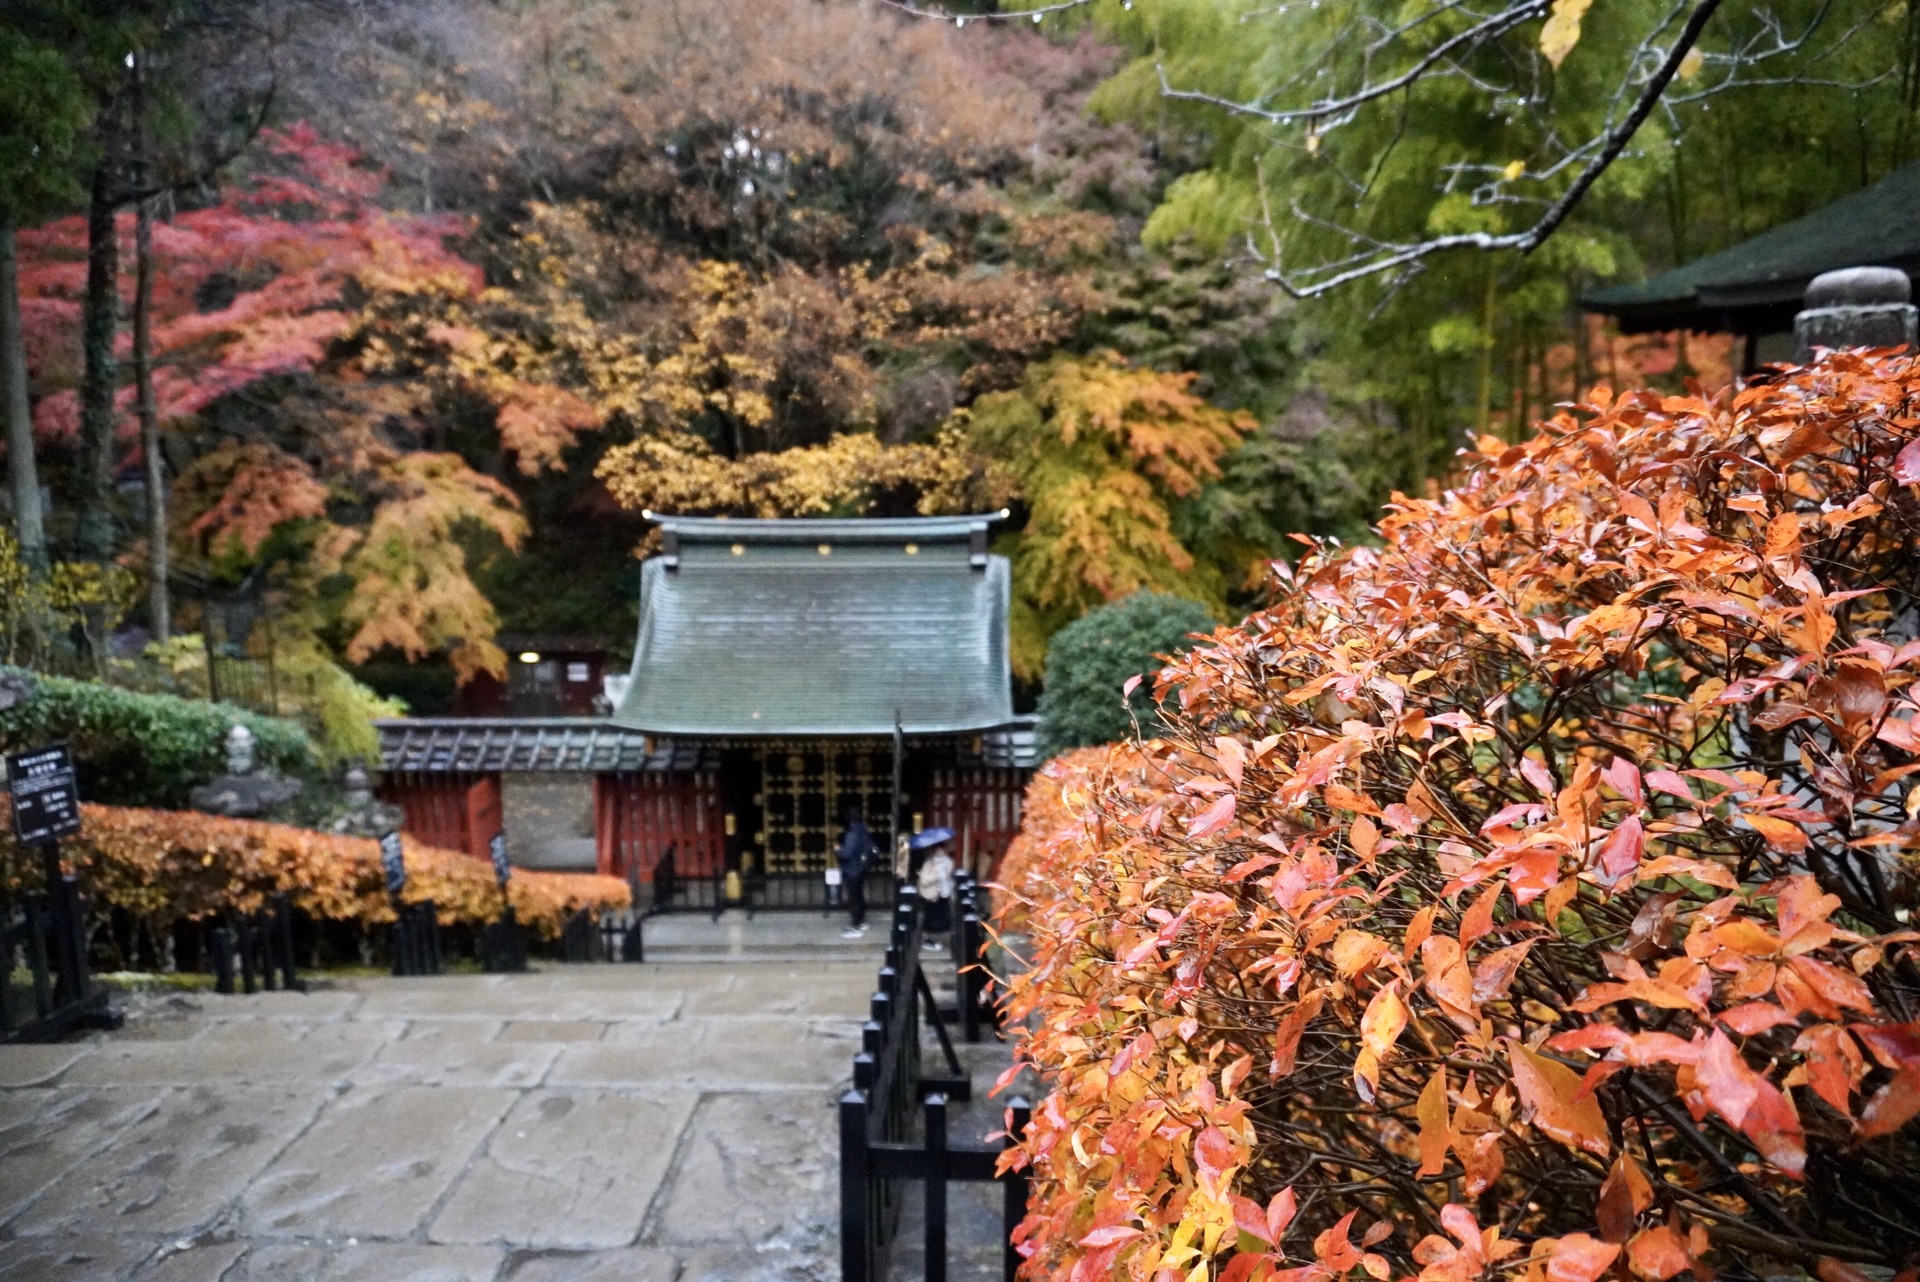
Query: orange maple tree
x,y
1525,896
297,287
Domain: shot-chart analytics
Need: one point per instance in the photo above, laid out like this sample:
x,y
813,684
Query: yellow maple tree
x,y
1101,450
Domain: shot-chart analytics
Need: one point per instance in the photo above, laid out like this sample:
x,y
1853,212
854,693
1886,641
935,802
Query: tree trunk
x,y
159,604
24,472
1483,416
100,382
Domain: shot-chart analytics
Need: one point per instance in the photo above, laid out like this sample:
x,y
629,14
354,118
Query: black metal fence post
x,y
503,944
879,1153
416,939
935,1114
280,924
69,952
220,948
856,1181
37,960
1015,1209
248,933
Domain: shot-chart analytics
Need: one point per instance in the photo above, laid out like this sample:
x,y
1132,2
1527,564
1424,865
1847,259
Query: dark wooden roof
x,y
485,745
1755,287
586,745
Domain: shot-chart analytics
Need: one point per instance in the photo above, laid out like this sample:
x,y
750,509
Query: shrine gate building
x,y
784,671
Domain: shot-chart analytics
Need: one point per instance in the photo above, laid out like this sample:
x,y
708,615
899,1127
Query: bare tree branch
x,y
1564,175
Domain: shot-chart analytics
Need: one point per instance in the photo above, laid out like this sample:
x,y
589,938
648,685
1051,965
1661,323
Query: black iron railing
x,y
503,944
258,946
755,891
415,939
46,936
879,1154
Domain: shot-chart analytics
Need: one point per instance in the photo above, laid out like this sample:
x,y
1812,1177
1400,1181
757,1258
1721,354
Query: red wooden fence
x,y
637,816
451,811
982,806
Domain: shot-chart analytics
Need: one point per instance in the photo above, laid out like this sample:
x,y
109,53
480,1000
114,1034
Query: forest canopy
x,y
408,311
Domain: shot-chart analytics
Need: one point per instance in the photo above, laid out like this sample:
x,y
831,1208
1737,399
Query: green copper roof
x,y
1755,287
821,627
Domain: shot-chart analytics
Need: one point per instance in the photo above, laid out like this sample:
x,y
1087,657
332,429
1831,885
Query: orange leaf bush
x,y
1524,896
163,866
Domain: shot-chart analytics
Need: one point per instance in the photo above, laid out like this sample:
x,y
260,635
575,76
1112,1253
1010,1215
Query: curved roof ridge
x,y
809,529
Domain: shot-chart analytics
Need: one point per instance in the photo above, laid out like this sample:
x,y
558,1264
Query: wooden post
x,y
1015,1208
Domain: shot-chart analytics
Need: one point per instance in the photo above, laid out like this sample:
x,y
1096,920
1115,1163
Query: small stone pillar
x,y
1856,307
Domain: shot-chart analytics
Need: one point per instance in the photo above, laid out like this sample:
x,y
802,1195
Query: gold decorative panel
x,y
805,789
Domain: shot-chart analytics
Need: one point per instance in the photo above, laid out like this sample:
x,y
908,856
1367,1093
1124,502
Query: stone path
x,y
640,1123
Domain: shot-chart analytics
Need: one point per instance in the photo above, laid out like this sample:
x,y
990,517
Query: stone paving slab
x,y
198,1262
666,1122
409,1263
94,1258
453,1030
499,1000
758,1174
325,1053
552,1030
278,1262
444,1061
175,1169
637,1264
36,1065
375,1162
567,1169
315,1004
45,1132
708,1055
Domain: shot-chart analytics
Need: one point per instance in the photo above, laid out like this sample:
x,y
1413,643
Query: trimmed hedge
x,y
135,749
163,867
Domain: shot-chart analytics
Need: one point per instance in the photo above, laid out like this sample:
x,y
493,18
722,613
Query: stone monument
x,y
244,792
1856,307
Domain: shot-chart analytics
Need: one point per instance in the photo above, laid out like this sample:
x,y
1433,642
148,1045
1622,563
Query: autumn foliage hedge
x,y
1527,896
163,866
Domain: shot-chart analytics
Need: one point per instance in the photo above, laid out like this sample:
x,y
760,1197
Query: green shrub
x,y
1089,660
136,749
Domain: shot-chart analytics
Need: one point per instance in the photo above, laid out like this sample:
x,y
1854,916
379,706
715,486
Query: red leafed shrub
x,y
1525,896
166,865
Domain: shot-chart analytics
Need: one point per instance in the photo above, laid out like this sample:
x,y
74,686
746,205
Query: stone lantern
x,y
365,816
244,792
1856,307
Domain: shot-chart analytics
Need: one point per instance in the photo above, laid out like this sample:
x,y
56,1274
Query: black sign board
x,y
497,847
46,801
393,863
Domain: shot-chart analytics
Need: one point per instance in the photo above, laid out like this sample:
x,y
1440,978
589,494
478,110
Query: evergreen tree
x,y
1091,660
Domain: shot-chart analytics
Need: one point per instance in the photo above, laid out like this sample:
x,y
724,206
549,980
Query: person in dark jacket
x,y
856,849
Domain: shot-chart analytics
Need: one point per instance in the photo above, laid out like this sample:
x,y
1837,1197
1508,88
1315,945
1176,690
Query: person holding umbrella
x,y
933,853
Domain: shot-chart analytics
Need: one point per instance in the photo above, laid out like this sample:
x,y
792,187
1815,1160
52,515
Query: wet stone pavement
x,y
641,1123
